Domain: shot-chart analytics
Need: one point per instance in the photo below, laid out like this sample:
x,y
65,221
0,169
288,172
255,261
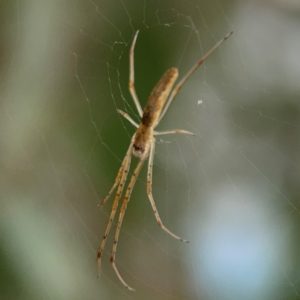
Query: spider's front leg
x,y
117,181
121,217
149,193
120,181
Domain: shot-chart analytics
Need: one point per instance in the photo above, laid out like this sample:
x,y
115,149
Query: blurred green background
x,y
233,190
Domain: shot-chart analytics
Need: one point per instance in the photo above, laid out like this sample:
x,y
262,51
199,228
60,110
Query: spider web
x,y
232,191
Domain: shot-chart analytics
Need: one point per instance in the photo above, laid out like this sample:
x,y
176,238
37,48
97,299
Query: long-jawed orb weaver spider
x,y
142,145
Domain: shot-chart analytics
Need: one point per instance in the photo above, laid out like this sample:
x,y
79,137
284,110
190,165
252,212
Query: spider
x,y
142,145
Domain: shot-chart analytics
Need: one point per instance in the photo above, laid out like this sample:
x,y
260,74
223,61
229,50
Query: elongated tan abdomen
x,y
152,111
158,97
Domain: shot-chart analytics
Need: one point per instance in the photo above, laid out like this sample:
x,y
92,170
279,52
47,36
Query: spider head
x,y
138,150
142,141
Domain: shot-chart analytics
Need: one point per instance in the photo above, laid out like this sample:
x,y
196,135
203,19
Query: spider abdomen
x,y
158,97
152,112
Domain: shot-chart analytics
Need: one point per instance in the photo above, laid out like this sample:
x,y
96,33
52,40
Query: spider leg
x,y
121,181
149,193
131,77
117,180
121,216
173,131
120,173
126,116
189,73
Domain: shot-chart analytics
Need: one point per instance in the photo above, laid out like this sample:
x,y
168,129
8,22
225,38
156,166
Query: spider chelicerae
x,y
142,145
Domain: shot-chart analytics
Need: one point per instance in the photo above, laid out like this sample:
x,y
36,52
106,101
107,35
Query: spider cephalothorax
x,y
141,141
